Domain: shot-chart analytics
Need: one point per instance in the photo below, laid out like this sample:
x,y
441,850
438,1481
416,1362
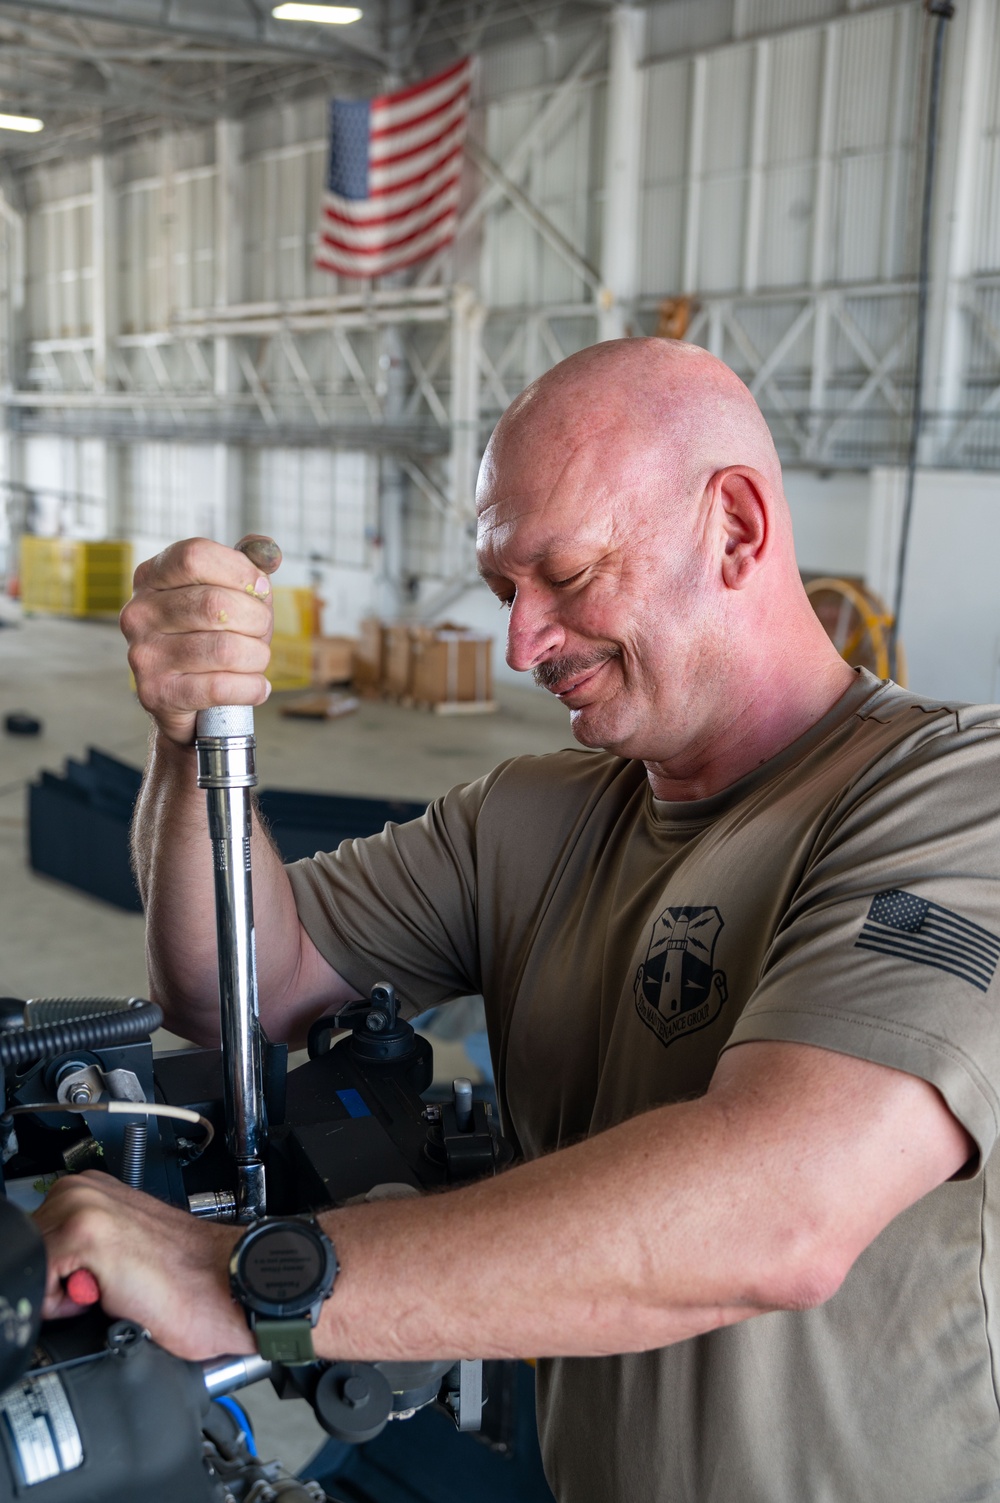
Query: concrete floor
x,y
55,941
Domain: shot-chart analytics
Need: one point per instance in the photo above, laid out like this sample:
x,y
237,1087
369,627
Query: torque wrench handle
x,y
227,771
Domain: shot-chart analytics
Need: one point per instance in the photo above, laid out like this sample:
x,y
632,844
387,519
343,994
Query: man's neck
x,y
763,723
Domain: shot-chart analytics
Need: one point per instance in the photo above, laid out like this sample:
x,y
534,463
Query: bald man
x,y
738,961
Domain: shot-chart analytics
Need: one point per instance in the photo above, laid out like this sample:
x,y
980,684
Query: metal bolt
x,y
376,1021
80,1095
354,1392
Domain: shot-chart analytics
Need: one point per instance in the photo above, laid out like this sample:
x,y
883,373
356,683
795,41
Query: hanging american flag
x,y
391,194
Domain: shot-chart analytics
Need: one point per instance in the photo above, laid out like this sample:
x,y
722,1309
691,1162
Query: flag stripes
x,y
901,924
393,177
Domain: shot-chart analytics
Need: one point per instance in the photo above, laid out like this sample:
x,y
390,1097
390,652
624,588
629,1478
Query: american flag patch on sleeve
x,y
901,924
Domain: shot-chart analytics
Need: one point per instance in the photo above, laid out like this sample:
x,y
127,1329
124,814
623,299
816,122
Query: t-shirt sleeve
x,y
889,950
400,906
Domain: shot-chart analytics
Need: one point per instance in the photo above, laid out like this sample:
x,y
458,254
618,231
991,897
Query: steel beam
x,y
622,170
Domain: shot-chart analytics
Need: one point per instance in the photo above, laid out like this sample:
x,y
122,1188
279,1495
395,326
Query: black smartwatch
x,y
281,1271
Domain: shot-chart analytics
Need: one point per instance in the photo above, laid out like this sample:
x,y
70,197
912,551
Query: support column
x,y
695,162
168,226
466,332
393,488
104,326
228,288
818,267
966,82
230,519
622,169
103,274
15,286
758,157
12,496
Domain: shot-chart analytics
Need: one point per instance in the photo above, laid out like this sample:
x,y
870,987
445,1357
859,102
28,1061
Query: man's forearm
x,y
756,1197
556,1257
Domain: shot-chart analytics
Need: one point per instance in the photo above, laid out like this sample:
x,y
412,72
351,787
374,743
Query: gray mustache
x,y
548,675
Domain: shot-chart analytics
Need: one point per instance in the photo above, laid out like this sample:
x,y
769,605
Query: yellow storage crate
x,y
291,665
70,577
296,611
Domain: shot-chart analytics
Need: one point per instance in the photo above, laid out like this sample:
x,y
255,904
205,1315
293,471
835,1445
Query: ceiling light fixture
x,y
325,15
20,122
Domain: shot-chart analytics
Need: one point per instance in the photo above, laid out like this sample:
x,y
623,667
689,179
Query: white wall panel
x,y
950,621
662,201
987,237
829,520
169,491
686,25
141,249
60,269
512,68
192,237
561,176
727,118
754,16
318,503
66,479
787,226
283,193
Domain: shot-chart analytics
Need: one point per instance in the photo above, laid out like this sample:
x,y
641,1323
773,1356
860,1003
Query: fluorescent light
x,y
325,15
19,122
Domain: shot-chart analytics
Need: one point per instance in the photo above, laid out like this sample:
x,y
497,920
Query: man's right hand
x,y
199,627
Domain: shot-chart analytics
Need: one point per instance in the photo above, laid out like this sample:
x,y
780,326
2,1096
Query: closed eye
x,y
561,584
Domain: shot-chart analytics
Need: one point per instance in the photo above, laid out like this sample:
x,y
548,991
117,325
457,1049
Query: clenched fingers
x,y
198,628
153,1263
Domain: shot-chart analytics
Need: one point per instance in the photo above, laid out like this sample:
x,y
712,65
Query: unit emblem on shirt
x,y
677,991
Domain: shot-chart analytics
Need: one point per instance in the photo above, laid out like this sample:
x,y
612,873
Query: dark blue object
x,y
353,1103
347,172
78,824
426,1460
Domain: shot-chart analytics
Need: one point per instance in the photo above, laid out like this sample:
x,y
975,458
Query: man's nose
x,y
532,633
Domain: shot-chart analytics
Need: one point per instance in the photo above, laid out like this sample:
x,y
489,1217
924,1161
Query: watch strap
x,y
287,1341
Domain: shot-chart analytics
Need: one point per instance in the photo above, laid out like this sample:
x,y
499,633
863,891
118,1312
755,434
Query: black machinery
x,y
93,1411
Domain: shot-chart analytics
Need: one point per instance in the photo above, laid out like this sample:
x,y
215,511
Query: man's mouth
x,y
567,676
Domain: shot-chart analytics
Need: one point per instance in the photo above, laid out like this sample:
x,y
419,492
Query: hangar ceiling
x,y
102,72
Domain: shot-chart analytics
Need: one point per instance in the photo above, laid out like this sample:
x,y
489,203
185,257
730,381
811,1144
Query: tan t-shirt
x,y
846,894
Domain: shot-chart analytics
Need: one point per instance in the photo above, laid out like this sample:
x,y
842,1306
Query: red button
x,y
82,1287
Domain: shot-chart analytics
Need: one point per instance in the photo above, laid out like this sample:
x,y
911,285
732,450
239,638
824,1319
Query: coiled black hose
x,y
23,1046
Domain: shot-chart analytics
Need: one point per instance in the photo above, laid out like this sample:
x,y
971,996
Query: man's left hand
x,y
154,1264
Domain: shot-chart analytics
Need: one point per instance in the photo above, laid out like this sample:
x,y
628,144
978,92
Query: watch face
x,y
283,1265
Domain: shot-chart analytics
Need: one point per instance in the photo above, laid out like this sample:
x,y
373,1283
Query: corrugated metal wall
x,y
778,189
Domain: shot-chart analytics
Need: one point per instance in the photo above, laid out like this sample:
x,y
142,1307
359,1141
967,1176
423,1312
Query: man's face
x,y
606,595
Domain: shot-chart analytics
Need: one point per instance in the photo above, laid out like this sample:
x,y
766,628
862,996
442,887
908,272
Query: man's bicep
x,y
315,990
851,1144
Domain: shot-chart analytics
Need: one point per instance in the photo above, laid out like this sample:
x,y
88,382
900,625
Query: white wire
x,y
128,1109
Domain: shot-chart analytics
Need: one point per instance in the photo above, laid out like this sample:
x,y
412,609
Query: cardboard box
x,y
368,654
452,666
397,655
333,660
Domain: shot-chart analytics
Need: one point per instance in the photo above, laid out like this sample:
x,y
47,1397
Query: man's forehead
x,y
526,530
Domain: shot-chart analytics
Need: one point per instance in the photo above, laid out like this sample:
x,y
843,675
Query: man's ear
x,y
745,520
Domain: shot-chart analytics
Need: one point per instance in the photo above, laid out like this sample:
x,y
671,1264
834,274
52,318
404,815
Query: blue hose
x,y
242,1419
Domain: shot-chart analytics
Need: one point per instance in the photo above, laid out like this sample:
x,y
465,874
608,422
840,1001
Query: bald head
x,y
640,407
632,519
